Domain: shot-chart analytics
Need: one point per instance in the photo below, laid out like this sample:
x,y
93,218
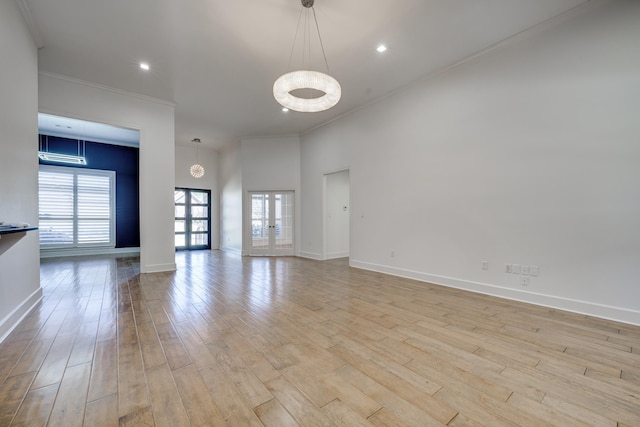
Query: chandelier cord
x,y
320,37
295,38
305,90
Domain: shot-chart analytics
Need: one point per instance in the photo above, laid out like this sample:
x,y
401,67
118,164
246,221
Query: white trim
x,y
158,268
31,23
107,88
59,253
310,255
509,41
231,250
325,231
247,243
617,314
95,138
9,323
258,137
325,215
334,255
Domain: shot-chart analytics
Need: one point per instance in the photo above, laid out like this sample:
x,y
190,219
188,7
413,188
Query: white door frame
x,y
248,225
325,211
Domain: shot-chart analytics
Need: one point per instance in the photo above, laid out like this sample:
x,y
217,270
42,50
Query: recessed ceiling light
x,y
144,66
285,109
381,48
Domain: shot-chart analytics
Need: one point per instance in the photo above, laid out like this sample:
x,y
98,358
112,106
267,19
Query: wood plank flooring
x,y
238,341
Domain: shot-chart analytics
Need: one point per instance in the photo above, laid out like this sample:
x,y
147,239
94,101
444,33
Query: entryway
x,y
271,227
337,216
192,218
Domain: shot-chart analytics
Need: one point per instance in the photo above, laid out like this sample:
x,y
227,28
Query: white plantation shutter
x,y
77,207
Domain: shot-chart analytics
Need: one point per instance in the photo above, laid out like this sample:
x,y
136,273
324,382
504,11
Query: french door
x,y
272,223
192,218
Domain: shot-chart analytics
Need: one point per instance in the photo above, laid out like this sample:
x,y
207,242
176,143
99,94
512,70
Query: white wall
x,y
19,253
337,215
271,164
230,179
208,158
324,151
155,120
526,155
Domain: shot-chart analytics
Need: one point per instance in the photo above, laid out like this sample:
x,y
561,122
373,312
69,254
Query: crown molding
x,y
538,28
108,88
31,23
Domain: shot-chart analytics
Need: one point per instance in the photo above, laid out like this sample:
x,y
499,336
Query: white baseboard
x,y
335,255
57,253
158,268
310,255
12,320
231,250
617,314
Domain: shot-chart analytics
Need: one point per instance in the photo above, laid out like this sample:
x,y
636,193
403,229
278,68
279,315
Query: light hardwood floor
x,y
287,341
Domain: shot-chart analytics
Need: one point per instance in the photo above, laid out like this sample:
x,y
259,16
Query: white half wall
x,y
208,158
527,155
19,253
155,119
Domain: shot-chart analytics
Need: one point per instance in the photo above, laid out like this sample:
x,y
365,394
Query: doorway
x,y
337,216
192,219
271,227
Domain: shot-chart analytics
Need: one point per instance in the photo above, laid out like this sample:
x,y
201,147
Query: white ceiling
x,y
217,60
88,131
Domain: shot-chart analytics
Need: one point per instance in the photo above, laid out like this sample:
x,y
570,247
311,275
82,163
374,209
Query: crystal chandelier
x,y
196,170
289,86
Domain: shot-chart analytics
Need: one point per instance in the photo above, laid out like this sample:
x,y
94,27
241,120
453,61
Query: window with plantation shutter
x,y
77,207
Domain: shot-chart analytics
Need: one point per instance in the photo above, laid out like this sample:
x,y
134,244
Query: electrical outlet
x,y
515,269
484,265
507,268
525,270
524,281
535,270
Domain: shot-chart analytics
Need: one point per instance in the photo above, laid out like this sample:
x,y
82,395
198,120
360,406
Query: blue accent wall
x,y
122,160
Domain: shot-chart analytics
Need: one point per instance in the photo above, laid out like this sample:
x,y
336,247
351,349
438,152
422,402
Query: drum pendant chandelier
x,y
314,81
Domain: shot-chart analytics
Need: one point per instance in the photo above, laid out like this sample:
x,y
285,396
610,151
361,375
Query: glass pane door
x,y
192,218
260,223
272,230
283,221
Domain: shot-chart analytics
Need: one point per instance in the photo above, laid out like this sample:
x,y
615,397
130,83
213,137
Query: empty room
x,y
299,212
